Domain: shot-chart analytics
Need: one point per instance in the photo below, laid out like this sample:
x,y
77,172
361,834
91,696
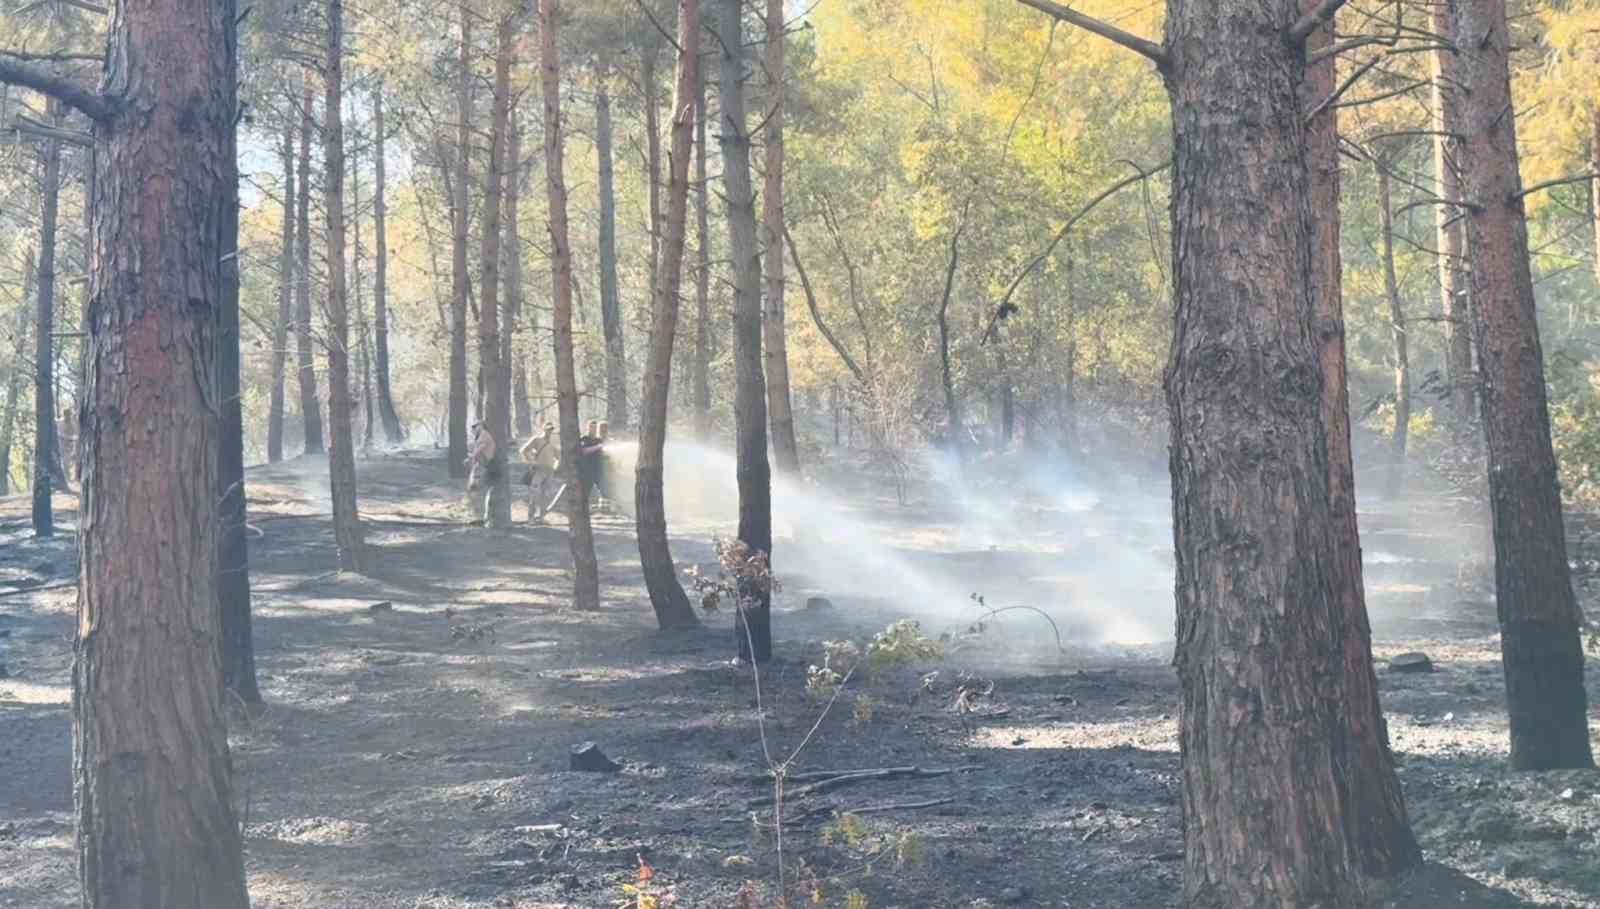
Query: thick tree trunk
x,y
14,381
1370,790
310,408
513,269
1397,330
586,570
701,378
45,456
1539,617
655,556
347,531
648,59
785,447
238,652
280,329
459,290
156,825
1449,227
497,409
393,432
753,626
610,305
1270,814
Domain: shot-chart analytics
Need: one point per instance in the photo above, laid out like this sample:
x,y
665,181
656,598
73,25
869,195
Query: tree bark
x,y
45,456
671,604
610,305
347,530
1594,186
952,404
701,378
586,570
238,651
753,626
459,290
363,327
497,409
1448,225
785,447
521,409
648,59
280,329
1539,617
1397,330
156,825
1372,801
393,432
14,381
310,408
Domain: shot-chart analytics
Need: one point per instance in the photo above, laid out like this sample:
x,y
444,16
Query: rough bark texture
x,y
785,448
1378,829
1262,648
610,305
586,570
1448,225
280,329
347,531
655,556
14,381
513,269
363,327
456,454
156,825
1539,618
497,405
648,60
1397,330
310,408
393,432
233,562
952,404
44,403
1594,187
701,379
753,627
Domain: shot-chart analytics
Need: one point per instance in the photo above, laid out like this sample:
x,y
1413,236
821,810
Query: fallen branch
x,y
898,806
859,776
40,589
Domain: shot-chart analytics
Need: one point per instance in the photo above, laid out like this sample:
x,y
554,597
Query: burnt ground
x,y
404,761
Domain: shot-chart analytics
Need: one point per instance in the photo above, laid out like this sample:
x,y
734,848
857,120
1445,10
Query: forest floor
x,y
407,759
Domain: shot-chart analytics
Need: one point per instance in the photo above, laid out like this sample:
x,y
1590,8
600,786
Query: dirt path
x,y
405,761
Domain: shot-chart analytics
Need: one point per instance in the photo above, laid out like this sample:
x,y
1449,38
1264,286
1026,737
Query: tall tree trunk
x,y
1594,186
952,404
310,408
586,570
393,432
648,60
156,824
1008,395
1069,369
1369,789
1397,330
280,329
785,447
497,409
363,328
347,531
655,556
701,379
44,356
610,305
1272,793
753,626
459,290
521,410
1539,617
14,381
238,652
1448,224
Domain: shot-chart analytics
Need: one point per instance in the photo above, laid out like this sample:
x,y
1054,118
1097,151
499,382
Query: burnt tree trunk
x,y
1539,617
14,381
785,447
45,456
1448,223
156,825
393,432
280,329
586,570
521,410
1397,331
701,370
671,604
952,404
363,327
341,451
310,408
456,454
753,626
610,305
497,406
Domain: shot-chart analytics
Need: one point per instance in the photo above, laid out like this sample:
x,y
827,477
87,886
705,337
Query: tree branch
x,y
816,314
1155,52
1314,20
1559,181
54,57
98,107
29,126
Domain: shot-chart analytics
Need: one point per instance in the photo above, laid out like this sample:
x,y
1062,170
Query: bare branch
x,y
97,106
1314,20
1155,52
1559,181
1343,87
54,57
29,126
816,313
